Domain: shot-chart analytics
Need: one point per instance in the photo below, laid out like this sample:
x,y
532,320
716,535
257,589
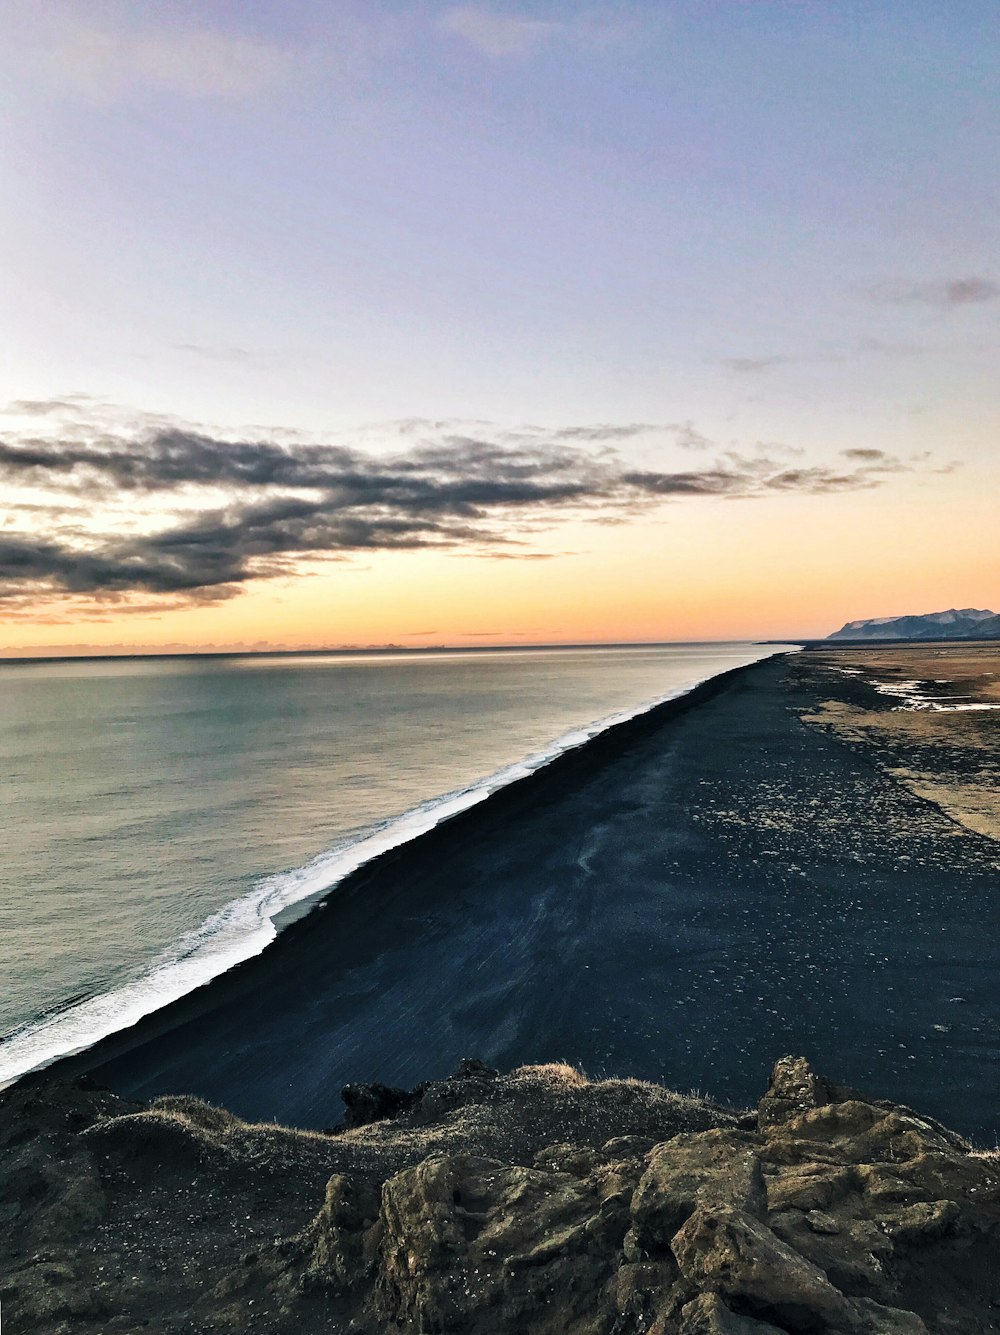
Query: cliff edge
x,y
537,1201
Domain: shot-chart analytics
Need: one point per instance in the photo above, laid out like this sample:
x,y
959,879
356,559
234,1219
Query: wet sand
x,y
683,900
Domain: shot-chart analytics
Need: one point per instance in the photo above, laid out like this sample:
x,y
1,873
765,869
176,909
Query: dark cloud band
x,y
255,509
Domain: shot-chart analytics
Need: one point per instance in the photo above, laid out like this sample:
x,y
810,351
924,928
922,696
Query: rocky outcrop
x,y
533,1202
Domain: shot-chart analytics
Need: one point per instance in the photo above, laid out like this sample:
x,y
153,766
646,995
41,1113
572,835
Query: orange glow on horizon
x,y
703,570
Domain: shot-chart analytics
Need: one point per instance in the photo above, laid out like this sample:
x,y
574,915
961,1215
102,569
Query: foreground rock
x,y
533,1202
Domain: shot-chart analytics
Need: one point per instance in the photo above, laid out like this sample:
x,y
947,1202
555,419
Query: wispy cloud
x,y
179,514
105,63
865,455
64,404
604,431
688,437
497,32
755,365
941,295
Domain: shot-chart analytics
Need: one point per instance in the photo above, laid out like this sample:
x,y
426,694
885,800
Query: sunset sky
x,y
334,323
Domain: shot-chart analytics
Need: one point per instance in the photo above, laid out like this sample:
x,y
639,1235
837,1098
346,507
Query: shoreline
x,y
678,899
428,818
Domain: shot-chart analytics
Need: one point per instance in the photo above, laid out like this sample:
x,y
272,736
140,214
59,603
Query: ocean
x,y
166,817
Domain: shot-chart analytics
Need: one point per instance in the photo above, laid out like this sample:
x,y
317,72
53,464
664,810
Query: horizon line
x,y
383,649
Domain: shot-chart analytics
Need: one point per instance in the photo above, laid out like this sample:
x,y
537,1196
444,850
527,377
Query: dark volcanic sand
x,y
683,902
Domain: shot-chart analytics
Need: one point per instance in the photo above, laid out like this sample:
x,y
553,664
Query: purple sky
x,y
761,222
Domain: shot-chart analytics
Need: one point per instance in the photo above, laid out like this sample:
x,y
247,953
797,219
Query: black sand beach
x,y
682,900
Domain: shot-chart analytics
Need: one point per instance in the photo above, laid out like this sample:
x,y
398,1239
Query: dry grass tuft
x,y
559,1074
204,1116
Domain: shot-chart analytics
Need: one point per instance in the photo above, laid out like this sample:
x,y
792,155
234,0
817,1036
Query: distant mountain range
x,y
955,624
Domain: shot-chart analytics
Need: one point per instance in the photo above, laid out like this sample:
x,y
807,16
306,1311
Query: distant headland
x,y
967,623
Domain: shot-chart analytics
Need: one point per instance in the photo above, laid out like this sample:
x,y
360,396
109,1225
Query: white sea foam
x,y
246,926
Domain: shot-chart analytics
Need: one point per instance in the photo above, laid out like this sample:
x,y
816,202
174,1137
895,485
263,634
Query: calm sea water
x,y
164,817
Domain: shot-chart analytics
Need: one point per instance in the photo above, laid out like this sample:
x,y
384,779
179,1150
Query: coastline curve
x,y
77,1036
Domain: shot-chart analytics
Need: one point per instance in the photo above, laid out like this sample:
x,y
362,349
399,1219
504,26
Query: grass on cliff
x,y
509,1118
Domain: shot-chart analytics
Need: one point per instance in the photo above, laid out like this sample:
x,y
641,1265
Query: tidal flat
x,y
931,718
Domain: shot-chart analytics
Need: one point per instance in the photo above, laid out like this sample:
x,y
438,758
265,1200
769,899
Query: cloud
x,y
496,33
943,295
822,481
177,514
66,403
754,365
865,455
688,438
604,431
105,64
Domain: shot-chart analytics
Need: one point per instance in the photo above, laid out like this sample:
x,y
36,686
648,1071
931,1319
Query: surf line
x,y
245,927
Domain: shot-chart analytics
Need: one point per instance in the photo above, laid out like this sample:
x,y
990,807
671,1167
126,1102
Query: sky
x,y
333,323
